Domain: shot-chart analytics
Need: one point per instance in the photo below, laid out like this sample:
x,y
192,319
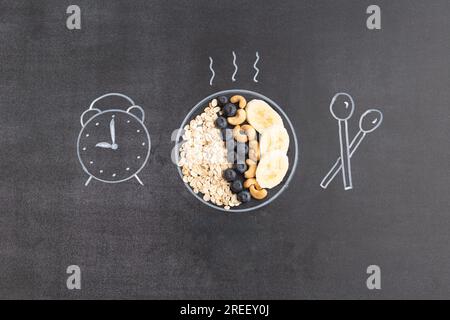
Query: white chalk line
x,y
233,77
88,180
212,71
343,136
140,120
256,68
139,180
345,155
354,144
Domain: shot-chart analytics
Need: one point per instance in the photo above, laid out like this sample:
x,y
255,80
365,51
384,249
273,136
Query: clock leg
x,y
139,180
88,180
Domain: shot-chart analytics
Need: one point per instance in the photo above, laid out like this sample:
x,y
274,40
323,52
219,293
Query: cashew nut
x,y
240,99
257,192
239,118
239,135
254,153
251,171
249,131
244,133
249,182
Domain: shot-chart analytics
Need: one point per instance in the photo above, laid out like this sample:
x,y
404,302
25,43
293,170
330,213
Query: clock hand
x,y
104,145
112,129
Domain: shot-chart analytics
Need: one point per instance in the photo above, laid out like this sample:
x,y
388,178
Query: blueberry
x,y
229,110
221,123
222,100
240,167
244,196
236,186
229,175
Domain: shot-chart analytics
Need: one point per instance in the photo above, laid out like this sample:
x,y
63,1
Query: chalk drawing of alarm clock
x,y
113,145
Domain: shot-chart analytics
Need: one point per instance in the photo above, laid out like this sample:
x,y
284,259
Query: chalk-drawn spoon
x,y
369,121
342,107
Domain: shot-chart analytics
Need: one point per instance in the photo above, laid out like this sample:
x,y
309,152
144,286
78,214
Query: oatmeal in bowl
x,y
236,151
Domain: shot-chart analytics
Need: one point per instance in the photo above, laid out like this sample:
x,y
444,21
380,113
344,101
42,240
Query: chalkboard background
x,y
158,241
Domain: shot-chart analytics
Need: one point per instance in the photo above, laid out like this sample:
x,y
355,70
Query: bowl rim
x,y
257,95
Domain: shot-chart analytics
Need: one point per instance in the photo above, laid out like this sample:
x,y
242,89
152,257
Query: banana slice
x,y
271,169
262,116
274,138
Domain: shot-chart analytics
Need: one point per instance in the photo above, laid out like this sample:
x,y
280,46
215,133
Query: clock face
x,y
113,146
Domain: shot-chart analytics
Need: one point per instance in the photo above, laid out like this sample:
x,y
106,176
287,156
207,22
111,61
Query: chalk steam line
x,y
236,68
255,67
233,77
212,71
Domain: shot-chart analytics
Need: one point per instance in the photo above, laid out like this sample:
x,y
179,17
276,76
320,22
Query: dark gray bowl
x,y
292,152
